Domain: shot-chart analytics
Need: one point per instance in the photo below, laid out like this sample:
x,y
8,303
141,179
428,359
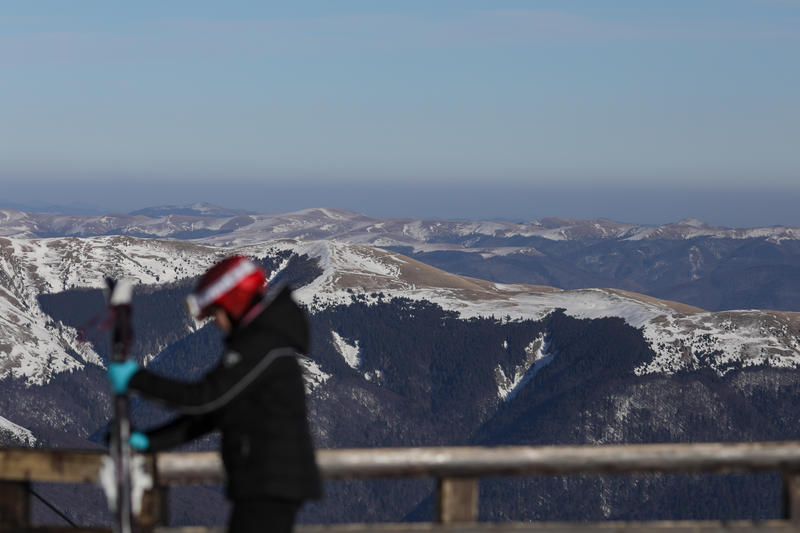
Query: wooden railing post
x,y
456,500
15,511
155,506
155,502
791,496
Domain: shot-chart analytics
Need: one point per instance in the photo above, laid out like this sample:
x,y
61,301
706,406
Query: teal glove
x,y
139,441
119,374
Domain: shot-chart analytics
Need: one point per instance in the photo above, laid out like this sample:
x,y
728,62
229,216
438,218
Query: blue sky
x,y
449,108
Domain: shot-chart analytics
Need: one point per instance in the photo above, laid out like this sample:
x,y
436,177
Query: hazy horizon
x,y
728,207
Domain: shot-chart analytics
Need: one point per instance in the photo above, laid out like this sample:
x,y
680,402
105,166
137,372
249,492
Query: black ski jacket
x,y
256,396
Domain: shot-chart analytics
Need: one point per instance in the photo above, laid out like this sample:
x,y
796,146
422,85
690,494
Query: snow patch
x,y
272,275
351,353
313,374
537,356
720,341
20,435
375,376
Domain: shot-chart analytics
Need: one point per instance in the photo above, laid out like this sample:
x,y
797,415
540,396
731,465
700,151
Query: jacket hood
x,y
279,314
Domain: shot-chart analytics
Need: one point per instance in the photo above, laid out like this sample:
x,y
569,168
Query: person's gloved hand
x,y
119,374
139,441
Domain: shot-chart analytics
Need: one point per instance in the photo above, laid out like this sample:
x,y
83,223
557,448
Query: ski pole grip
x,y
121,291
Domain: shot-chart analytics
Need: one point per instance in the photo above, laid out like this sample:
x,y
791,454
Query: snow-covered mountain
x,y
34,347
407,354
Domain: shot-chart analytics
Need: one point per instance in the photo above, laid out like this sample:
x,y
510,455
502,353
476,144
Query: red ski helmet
x,y
231,284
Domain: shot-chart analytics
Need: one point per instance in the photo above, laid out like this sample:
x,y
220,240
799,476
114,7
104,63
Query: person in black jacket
x,y
255,395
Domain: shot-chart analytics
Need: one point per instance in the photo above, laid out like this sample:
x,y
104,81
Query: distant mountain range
x,y
688,261
405,353
202,209
209,224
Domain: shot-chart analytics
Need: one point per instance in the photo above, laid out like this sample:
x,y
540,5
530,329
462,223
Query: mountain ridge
x,y
31,267
209,224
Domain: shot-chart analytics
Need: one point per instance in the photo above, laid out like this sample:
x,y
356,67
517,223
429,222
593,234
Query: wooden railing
x,y
456,470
